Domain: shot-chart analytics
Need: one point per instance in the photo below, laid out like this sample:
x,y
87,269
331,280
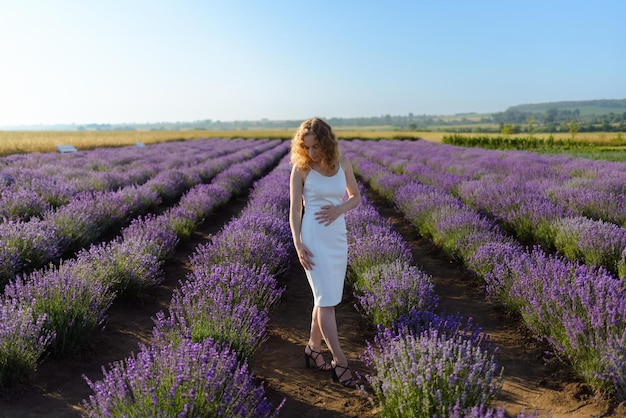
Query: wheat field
x,y
19,142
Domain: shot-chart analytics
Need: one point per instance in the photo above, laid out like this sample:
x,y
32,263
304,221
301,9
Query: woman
x,y
319,180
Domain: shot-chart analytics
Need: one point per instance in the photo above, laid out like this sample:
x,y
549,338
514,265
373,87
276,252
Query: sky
x,y
136,61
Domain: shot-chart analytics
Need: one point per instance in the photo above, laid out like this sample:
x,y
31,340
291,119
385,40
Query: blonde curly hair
x,y
327,140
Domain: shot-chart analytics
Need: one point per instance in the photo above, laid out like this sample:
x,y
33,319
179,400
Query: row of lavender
x,y
88,215
425,364
57,309
33,184
198,362
566,204
579,309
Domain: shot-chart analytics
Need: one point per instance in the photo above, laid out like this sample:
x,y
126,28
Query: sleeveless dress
x,y
328,244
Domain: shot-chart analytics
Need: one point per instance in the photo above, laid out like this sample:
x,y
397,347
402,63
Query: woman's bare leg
x,y
315,339
328,326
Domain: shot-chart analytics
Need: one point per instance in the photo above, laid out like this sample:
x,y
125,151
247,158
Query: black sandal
x,y
352,382
324,367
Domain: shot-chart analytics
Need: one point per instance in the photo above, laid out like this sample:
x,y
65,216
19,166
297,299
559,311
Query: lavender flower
x,y
23,341
199,311
74,306
594,242
203,199
21,204
387,291
379,245
26,245
154,234
256,247
124,266
431,373
244,281
492,262
186,379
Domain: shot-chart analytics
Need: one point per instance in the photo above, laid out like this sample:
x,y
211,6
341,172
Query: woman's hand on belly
x,y
327,214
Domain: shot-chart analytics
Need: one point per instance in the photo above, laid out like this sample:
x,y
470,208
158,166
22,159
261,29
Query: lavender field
x,y
80,232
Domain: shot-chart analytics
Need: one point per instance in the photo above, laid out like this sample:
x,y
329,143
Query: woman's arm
x,y
296,186
295,204
354,195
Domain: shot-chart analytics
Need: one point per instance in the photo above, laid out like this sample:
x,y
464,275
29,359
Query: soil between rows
x,y
530,383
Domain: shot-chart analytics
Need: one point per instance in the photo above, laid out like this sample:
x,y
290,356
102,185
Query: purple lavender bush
x,y
199,310
431,373
387,291
255,283
493,263
26,246
594,198
593,242
484,411
21,204
363,215
419,201
186,379
83,220
378,245
154,233
74,305
169,185
268,193
266,221
182,220
580,310
53,190
236,242
124,266
138,199
621,265
10,263
203,199
23,341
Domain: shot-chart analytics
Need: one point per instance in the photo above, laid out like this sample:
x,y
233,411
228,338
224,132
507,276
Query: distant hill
x,y
586,112
585,107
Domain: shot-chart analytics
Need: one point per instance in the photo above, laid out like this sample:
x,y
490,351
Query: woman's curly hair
x,y
327,140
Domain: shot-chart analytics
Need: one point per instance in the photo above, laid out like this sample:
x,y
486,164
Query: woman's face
x,y
312,147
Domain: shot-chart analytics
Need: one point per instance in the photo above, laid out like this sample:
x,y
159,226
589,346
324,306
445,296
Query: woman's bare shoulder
x,y
345,162
299,172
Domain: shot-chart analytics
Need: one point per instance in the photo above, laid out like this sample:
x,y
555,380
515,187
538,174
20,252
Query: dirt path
x,y
309,392
58,387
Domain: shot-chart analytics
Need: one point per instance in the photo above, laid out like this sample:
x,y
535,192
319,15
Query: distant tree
x,y
531,121
573,128
550,116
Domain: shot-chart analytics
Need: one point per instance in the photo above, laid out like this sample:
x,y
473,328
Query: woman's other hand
x,y
305,256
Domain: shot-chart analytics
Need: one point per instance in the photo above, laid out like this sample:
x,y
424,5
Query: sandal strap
x,y
314,357
348,381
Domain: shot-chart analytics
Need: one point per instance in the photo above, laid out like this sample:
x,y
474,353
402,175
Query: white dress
x,y
328,244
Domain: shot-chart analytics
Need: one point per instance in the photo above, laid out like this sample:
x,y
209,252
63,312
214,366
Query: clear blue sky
x,y
125,61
